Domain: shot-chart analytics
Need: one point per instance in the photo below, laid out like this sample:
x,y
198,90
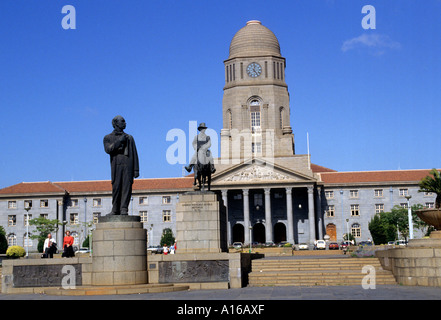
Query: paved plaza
x,y
389,292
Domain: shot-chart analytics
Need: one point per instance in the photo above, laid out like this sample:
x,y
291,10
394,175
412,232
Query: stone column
x,y
246,215
268,222
311,216
225,200
319,213
289,215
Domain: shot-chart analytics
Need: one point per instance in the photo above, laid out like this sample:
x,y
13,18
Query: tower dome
x,y
254,40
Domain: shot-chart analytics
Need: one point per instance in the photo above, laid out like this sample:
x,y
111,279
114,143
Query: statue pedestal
x,y
119,245
201,223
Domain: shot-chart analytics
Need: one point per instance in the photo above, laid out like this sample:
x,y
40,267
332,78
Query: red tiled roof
x,y
32,187
374,176
95,186
317,169
138,184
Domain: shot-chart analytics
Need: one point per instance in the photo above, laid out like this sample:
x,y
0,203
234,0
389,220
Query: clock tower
x,y
255,106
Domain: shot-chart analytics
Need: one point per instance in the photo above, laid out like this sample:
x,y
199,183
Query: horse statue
x,y
202,161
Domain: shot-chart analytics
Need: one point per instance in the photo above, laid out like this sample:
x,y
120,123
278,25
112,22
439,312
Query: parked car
x,y
283,243
365,243
269,244
401,243
237,245
155,249
303,246
391,243
333,246
82,250
321,245
344,244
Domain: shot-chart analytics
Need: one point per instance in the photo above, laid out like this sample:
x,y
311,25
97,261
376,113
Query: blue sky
x,y
369,99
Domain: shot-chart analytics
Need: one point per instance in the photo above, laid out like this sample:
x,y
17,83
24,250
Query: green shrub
x,y
15,252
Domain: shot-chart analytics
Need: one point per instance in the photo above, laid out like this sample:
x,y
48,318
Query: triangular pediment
x,y
257,171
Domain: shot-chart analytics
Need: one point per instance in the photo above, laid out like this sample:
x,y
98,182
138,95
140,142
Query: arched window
x,y
12,240
230,119
27,241
281,116
356,230
76,237
255,115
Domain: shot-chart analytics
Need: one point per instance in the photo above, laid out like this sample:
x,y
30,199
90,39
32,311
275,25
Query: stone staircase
x,y
316,272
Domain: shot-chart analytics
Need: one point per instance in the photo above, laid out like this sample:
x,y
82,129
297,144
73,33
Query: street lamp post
x,y
27,208
251,228
85,221
409,217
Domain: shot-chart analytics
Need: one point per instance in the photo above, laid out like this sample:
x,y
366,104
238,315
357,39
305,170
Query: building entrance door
x,y
279,232
331,231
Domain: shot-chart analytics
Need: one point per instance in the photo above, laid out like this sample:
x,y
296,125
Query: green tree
x,y
3,241
44,227
432,184
167,237
381,229
383,226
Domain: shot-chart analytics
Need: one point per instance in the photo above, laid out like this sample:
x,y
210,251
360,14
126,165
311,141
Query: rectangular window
x,y
143,201
166,200
44,215
73,218
44,203
330,212
143,215
255,119
96,216
379,208
404,192
12,204
355,210
256,147
12,220
258,199
237,196
430,205
26,219
353,193
28,203
166,215
378,193
329,194
97,202
74,203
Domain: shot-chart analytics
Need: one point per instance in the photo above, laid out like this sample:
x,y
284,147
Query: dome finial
x,y
253,22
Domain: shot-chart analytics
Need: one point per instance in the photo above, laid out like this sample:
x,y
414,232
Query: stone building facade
x,y
271,193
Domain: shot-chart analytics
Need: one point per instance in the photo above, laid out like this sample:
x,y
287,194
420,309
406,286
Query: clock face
x,y
254,69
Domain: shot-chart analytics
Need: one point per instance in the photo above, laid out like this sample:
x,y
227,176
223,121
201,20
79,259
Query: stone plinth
x,y
119,246
417,265
200,223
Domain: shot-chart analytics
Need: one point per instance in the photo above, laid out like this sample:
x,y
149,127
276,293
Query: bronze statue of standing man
x,y
124,165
